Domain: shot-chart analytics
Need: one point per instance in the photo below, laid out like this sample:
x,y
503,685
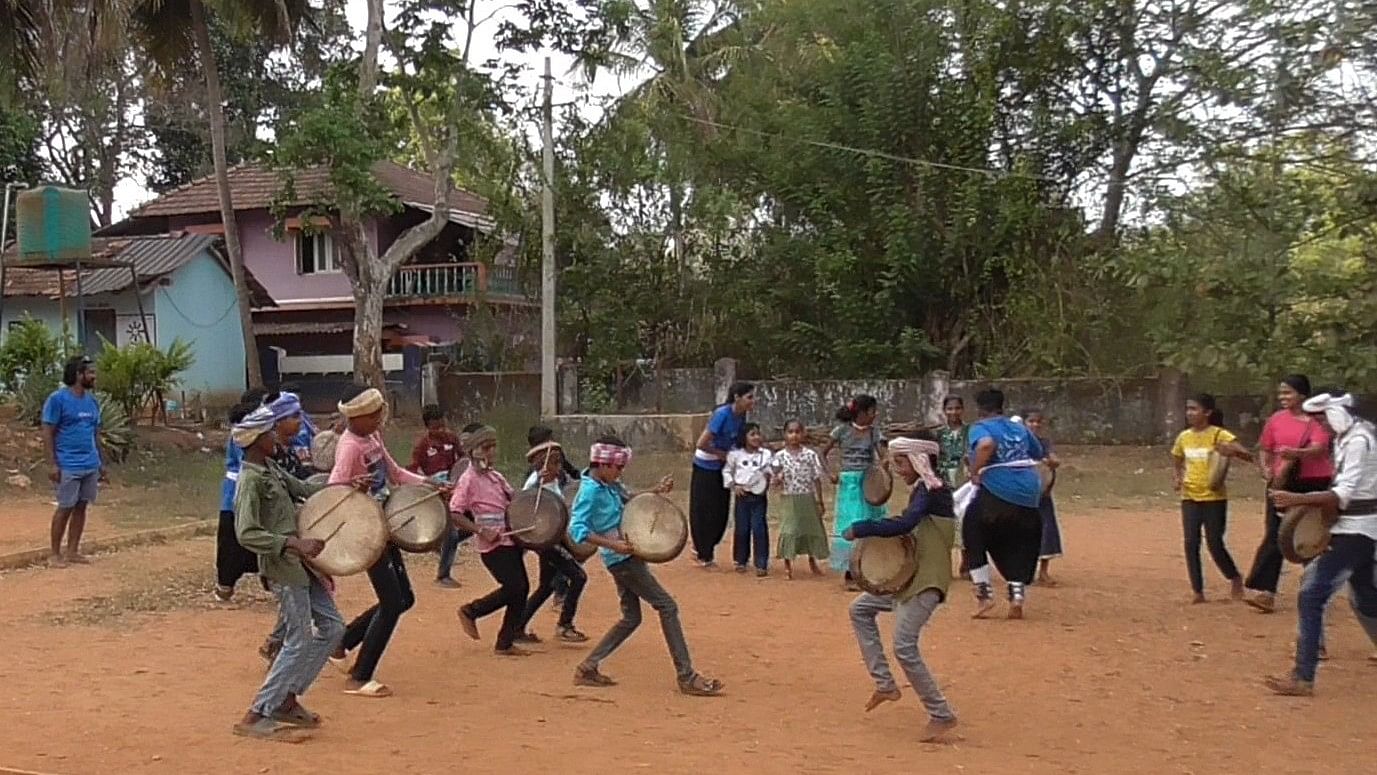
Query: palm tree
x,y
18,45
172,30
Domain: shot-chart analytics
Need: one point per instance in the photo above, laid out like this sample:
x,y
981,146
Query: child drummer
x,y
931,521
556,562
265,523
597,518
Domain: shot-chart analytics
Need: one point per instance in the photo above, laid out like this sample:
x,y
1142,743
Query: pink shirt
x,y
484,495
1284,429
357,455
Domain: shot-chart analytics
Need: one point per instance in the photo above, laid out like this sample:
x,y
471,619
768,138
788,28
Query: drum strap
x,y
1360,508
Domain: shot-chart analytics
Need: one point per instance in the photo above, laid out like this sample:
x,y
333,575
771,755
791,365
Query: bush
x,y
30,396
115,434
30,350
135,373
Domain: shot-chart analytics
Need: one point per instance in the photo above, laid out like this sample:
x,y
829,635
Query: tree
x,y
171,29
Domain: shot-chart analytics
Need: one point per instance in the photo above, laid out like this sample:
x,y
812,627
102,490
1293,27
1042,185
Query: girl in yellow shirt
x,y
1203,505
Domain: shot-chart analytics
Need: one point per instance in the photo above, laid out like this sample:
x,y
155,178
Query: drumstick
x,y
338,528
543,463
408,521
519,532
336,505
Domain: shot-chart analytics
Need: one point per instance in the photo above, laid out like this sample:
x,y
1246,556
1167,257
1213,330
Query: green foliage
x,y
30,351
30,396
132,375
116,434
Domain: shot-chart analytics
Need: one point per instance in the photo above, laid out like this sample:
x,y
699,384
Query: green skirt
x,y
800,528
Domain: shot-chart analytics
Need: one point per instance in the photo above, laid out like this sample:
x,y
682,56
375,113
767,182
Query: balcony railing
x,y
435,281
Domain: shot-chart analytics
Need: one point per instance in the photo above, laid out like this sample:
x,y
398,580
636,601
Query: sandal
x,y
467,623
570,635
298,716
1290,687
371,689
700,686
589,676
512,651
267,729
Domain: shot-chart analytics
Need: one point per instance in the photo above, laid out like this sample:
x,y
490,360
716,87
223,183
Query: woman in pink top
x,y
479,505
360,453
1295,458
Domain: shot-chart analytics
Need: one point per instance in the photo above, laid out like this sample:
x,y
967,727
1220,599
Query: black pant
x,y
556,562
1007,534
709,507
373,628
1213,516
231,559
507,567
1265,575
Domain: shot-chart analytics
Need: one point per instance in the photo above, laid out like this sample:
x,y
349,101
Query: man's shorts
x,y
76,487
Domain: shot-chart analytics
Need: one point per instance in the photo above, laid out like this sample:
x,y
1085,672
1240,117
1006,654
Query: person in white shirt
x,y
747,475
1353,538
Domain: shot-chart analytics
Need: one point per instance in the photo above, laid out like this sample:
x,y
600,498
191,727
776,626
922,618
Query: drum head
x,y
537,518
655,527
877,485
322,478
884,566
351,525
581,551
1304,533
323,450
417,517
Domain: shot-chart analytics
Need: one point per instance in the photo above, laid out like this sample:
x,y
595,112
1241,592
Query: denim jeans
x,y
1349,560
449,550
634,584
312,627
909,618
752,532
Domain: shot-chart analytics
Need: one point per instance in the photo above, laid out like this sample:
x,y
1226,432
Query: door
x,y
99,327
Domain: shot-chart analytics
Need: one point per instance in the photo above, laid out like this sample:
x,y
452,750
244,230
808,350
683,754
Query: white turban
x,y
1336,408
252,427
364,404
918,452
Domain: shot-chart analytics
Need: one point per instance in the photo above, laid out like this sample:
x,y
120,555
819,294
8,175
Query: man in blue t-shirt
x,y
71,428
1002,523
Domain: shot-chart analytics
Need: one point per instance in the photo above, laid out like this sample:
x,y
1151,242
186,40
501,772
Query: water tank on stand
x,y
54,226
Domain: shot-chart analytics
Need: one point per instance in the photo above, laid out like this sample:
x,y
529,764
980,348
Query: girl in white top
x,y
798,474
747,475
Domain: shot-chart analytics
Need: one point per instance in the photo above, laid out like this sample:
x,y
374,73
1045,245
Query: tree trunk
x,y
368,325
216,109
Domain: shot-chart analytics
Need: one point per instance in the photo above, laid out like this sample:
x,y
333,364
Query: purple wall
x,y
273,263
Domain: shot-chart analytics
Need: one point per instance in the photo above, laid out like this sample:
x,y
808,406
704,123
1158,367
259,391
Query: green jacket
x,y
935,537
265,517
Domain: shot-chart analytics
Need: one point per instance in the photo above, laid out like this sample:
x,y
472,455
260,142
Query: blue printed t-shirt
x,y
1020,486
234,458
76,420
725,427
597,509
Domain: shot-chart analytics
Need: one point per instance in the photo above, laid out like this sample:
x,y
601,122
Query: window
x,y
315,254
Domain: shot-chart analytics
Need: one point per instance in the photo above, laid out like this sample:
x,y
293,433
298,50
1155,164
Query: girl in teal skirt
x,y
860,443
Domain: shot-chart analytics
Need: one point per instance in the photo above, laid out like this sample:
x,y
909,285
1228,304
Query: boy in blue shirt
x,y
597,518
71,430
1003,522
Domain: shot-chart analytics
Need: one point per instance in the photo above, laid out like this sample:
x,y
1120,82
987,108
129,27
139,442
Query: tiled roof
x,y
152,257
253,186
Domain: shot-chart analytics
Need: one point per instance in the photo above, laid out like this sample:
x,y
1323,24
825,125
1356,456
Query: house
x,y
309,330
173,286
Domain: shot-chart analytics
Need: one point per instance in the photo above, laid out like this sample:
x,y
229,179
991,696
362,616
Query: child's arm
x,y
888,528
418,455
1178,462
395,473
581,531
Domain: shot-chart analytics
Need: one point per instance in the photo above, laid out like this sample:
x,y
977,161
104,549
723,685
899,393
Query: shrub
x,y
30,349
115,434
135,373
30,396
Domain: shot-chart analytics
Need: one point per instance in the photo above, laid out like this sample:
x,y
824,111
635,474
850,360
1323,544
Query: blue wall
x,y
198,306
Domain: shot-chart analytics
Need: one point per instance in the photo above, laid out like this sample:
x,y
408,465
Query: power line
x,y
870,152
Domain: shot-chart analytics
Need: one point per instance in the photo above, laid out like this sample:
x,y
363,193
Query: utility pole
x,y
548,400
4,237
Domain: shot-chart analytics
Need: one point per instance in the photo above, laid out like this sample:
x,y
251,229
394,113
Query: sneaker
x,y
223,594
570,635
741,567
526,637
761,573
448,582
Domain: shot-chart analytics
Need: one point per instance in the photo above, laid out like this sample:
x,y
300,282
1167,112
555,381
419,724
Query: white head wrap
x,y
252,427
365,403
918,451
1336,408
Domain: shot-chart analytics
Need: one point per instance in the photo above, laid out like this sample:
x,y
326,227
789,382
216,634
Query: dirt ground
x,y
127,666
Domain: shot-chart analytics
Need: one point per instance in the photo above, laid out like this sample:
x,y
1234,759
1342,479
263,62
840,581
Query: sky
x,y
132,191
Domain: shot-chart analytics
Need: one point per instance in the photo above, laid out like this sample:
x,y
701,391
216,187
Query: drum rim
x,y
889,484
530,494
911,546
351,490
1286,533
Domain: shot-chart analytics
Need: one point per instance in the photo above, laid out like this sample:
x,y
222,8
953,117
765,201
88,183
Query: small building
x,y
186,290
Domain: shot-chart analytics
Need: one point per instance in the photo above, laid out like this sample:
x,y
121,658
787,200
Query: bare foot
x,y
1286,686
1016,610
57,561
983,609
1236,591
813,566
1198,599
788,573
937,729
1046,581
879,698
77,558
